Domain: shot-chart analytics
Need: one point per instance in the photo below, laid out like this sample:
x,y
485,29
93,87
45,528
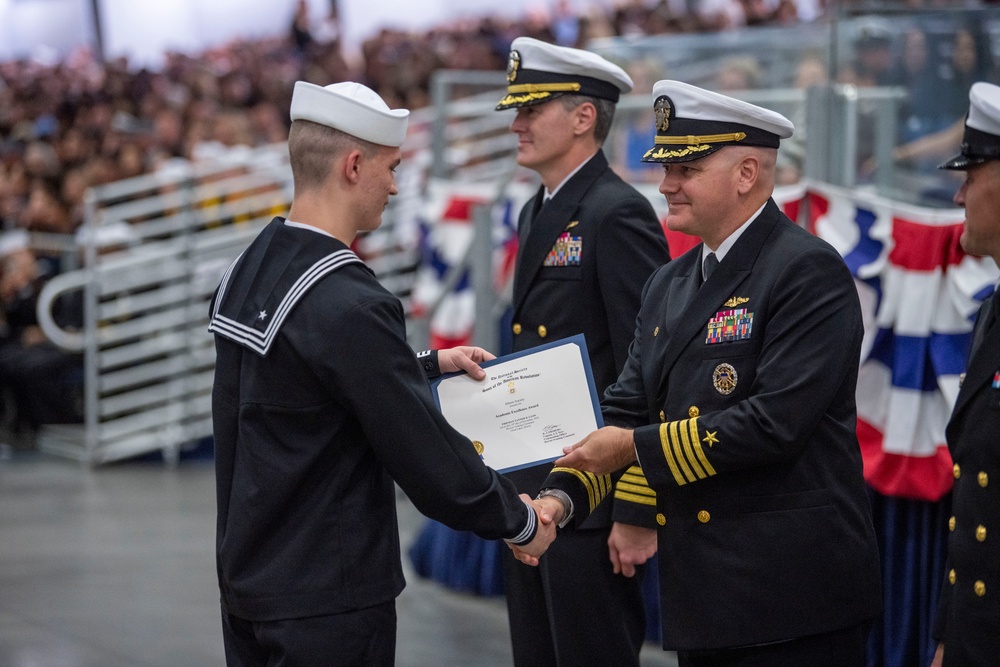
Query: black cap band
x,y
534,86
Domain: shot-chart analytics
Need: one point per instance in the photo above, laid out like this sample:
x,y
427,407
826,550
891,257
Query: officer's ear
x,y
584,118
352,166
749,172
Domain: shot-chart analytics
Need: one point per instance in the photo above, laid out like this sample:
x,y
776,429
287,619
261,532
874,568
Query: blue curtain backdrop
x,y
912,536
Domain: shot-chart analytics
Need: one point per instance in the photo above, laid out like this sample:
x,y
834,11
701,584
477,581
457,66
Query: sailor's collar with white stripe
x,y
260,340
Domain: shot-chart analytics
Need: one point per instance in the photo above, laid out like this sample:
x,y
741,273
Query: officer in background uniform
x,y
319,405
587,243
738,401
968,621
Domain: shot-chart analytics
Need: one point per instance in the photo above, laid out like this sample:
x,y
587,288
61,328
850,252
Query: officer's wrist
x,y
564,500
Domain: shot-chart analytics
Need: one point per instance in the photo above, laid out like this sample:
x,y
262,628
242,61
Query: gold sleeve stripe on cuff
x,y
636,473
689,432
669,456
699,451
598,487
638,480
635,488
675,440
633,498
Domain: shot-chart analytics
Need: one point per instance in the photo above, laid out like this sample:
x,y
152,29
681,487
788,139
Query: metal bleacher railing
x,y
148,359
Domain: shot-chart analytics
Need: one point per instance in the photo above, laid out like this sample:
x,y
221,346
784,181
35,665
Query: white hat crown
x,y
538,71
700,104
984,107
352,108
692,123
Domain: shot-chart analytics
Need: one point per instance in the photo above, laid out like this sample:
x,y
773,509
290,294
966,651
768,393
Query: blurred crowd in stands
x,y
84,122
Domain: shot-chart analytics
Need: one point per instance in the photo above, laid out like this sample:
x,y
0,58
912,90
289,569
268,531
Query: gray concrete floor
x,y
114,567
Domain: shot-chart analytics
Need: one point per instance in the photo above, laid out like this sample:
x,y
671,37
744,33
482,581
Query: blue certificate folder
x,y
580,344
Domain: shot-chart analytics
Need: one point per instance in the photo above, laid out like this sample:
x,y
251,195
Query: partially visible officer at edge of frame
x,y
588,242
968,621
319,405
738,400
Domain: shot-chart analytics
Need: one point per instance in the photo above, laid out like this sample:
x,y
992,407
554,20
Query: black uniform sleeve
x,y
371,369
429,362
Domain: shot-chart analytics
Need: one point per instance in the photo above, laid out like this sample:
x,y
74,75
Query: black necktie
x,y
711,261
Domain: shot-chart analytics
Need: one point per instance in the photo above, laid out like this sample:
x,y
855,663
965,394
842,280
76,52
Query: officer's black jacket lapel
x,y
983,364
715,291
681,293
534,205
550,222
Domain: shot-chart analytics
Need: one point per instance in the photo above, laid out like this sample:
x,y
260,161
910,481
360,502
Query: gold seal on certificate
x,y
531,404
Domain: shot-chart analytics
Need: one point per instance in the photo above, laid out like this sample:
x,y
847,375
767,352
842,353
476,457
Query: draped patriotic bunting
x,y
919,293
446,231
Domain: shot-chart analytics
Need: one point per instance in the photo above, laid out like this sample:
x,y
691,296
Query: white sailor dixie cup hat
x,y
981,141
352,108
692,122
538,72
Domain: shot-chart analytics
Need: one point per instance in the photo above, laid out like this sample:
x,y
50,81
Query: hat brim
x,y
525,100
961,163
673,154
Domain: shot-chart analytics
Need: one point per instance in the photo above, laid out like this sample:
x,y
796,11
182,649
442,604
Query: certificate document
x,y
531,404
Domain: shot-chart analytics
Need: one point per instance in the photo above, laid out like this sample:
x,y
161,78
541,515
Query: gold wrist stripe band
x,y
695,140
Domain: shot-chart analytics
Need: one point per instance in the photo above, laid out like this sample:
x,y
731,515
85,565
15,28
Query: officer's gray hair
x,y
605,113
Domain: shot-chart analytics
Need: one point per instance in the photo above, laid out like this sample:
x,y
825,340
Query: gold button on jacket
x,y
660,519
984,479
951,577
516,328
957,471
951,523
542,331
693,411
980,588
981,533
704,516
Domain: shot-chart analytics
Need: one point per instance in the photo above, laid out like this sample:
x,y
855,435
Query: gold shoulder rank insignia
x,y
573,224
735,301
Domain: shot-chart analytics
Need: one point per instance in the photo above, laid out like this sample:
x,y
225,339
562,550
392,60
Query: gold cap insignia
x,y
661,108
724,378
735,301
513,63
480,448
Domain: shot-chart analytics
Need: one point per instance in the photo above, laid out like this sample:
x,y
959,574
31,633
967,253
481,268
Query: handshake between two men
x,y
601,453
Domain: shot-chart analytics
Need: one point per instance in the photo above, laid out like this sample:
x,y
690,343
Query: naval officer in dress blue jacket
x,y
968,621
588,242
738,401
